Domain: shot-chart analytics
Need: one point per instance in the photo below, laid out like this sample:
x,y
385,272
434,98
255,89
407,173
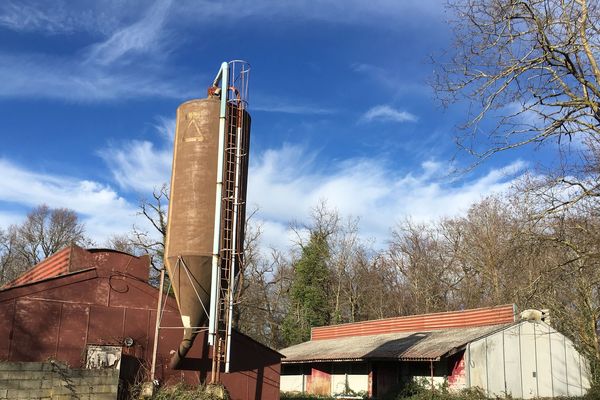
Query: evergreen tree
x,y
309,302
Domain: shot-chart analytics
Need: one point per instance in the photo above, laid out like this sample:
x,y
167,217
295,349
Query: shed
x,y
484,348
78,301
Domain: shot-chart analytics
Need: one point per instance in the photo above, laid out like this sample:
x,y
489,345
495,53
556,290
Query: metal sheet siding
x,y
478,364
528,360
573,371
512,362
427,322
559,365
496,380
30,341
56,318
543,360
73,333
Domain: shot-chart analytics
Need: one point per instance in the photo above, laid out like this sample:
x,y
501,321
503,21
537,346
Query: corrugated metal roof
x,y
424,322
56,264
417,345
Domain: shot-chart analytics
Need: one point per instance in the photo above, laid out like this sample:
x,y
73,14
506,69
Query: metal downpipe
x,y
184,347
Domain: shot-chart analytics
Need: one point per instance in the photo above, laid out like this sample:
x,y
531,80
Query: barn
x,y
490,348
79,302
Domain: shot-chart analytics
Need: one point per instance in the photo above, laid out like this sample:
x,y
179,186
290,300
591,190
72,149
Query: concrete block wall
x,y
52,380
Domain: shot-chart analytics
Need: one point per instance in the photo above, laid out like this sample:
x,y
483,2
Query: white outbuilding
x,y
496,349
526,360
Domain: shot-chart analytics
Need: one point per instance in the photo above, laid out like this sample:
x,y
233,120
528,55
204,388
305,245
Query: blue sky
x,y
338,94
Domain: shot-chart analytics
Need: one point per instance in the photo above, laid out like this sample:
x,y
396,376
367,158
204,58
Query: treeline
x,y
519,247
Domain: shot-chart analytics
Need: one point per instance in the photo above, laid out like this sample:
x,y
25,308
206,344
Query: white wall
x,y
292,383
527,360
342,373
356,382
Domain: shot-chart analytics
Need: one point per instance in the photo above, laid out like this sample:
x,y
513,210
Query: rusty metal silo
x,y
189,244
204,243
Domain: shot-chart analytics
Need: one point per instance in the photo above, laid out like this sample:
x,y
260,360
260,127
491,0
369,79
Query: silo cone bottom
x,y
193,299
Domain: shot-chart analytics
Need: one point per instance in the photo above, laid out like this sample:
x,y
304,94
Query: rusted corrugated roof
x,y
56,264
424,322
416,345
74,258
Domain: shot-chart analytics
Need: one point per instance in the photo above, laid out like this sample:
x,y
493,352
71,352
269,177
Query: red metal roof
x,y
75,258
425,322
56,264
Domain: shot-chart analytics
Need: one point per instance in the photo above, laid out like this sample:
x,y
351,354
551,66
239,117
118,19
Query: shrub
x,y
186,392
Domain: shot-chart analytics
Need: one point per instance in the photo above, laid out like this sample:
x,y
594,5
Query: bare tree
x,y
44,232
142,241
529,69
10,268
415,252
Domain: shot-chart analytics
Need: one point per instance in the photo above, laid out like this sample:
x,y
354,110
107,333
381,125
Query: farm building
x,y
79,303
488,348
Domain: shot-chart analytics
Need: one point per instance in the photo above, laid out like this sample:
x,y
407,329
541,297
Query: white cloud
x,y
103,210
141,165
166,128
49,77
104,70
142,36
285,185
291,109
392,80
61,17
8,218
387,113
263,102
131,58
357,12
138,165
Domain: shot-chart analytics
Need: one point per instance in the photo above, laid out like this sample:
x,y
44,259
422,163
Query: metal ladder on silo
x,y
229,257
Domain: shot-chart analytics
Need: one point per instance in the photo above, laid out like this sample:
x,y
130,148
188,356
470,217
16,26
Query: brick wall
x,y
52,380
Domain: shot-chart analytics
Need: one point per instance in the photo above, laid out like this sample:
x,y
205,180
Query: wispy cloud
x,y
142,36
128,63
40,76
392,80
267,103
61,17
130,60
387,113
101,208
138,165
25,17
142,165
346,12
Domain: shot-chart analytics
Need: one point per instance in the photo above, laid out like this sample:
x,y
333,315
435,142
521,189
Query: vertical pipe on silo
x,y
212,322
